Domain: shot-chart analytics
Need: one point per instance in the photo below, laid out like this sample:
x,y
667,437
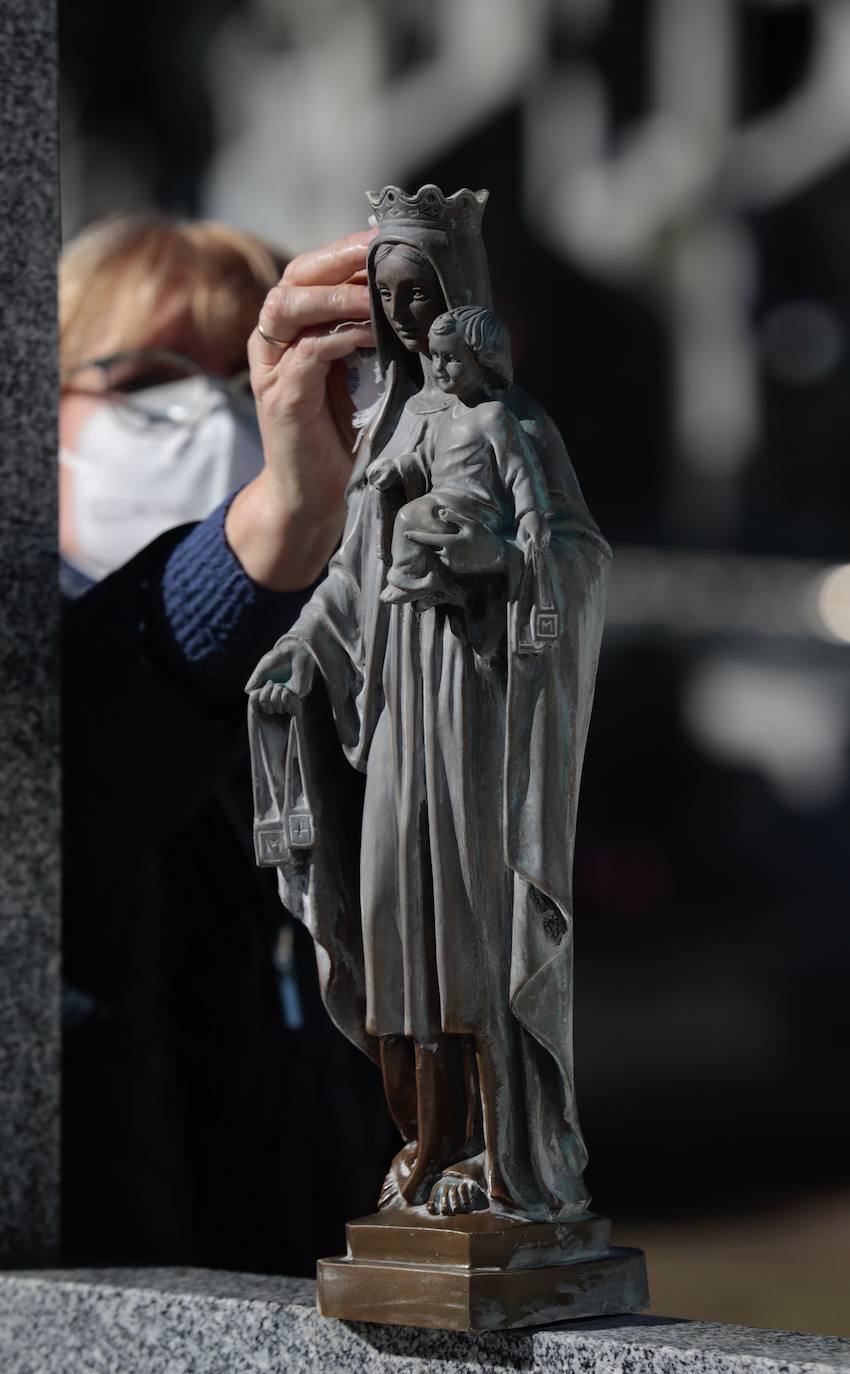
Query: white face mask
x,y
132,482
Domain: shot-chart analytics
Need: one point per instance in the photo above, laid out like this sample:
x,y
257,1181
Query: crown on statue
x,y
429,207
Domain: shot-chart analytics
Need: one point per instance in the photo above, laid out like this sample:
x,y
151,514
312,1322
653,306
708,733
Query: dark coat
x,y
198,1125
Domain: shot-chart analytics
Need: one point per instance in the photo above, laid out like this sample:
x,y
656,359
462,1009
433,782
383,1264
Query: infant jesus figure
x,y
473,455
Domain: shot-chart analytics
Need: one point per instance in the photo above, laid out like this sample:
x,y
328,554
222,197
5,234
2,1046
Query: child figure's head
x,y
470,349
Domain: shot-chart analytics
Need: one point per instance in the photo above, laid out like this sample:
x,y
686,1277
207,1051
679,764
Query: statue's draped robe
x,y
439,896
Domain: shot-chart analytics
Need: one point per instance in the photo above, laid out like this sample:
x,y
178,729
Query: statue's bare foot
x,y
394,595
453,1195
448,595
389,1195
409,1180
425,595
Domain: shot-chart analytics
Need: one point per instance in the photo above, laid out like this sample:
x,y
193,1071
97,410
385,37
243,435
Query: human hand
x,y
534,529
284,526
281,681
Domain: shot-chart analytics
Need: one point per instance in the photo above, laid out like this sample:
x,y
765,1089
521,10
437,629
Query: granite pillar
x,y
173,1321
29,724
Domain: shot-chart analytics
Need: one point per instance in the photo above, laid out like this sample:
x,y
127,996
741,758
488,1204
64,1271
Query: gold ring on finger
x,y
282,344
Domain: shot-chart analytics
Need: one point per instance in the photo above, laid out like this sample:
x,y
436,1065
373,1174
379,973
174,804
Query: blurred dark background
x,y
668,230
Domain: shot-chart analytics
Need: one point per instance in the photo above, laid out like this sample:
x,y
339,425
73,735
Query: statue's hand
x,y
281,681
464,547
383,474
534,529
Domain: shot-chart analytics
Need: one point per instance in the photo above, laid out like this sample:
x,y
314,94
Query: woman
x,y
141,294
444,936
196,1113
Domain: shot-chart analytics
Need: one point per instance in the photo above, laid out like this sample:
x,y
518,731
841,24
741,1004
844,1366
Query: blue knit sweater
x,y
221,622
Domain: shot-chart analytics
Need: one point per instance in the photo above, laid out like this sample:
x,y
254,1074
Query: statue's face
x,y
456,370
411,296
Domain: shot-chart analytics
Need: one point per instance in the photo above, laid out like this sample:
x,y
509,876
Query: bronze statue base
x,y
479,1272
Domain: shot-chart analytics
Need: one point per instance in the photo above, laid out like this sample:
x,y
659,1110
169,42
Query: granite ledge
x,y
190,1321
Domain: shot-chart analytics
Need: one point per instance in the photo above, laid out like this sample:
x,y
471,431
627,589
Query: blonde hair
x,y
148,281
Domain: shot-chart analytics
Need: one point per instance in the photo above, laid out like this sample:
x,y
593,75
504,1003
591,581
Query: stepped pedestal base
x,y
479,1272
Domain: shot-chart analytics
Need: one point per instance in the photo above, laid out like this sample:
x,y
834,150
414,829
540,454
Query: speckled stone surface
x,y
29,748
198,1322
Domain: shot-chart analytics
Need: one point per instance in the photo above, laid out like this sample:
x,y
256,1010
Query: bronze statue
x,y
418,738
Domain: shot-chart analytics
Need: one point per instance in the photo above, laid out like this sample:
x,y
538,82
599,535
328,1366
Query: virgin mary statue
x,y
417,772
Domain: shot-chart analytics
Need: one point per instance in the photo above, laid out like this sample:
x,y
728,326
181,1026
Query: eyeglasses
x,y
150,387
